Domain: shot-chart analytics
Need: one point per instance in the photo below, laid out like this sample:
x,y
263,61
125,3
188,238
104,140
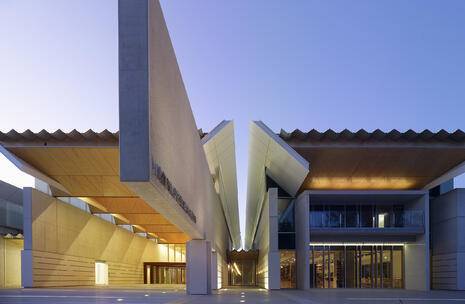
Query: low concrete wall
x,y
62,244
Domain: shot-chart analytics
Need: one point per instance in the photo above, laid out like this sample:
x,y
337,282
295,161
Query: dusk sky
x,y
292,64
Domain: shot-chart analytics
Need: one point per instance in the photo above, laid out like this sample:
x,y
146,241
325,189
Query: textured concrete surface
x,y
149,294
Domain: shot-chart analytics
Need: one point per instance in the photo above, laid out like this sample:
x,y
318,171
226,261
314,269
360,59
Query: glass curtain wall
x,y
357,266
364,216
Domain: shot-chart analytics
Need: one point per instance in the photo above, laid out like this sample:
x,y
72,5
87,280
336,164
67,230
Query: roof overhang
x,y
86,165
377,160
268,152
219,149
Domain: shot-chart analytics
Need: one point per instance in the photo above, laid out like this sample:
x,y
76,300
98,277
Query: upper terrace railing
x,y
364,216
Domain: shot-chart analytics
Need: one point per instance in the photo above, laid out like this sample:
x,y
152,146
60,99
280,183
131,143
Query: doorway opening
x,y
242,268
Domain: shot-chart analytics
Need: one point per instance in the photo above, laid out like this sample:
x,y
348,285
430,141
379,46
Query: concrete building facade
x,y
157,202
355,210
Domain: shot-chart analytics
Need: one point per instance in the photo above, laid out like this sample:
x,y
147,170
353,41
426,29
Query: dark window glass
x,y
336,216
286,215
286,240
366,215
351,216
398,215
352,269
317,216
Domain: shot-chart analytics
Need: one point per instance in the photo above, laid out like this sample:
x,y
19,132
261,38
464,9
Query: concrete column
x,y
26,254
198,267
302,240
417,254
274,271
214,270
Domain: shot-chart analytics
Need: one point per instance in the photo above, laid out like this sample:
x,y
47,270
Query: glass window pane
x,y
287,265
351,267
398,215
397,270
387,267
317,216
351,216
366,216
312,268
383,216
366,272
286,215
336,216
319,267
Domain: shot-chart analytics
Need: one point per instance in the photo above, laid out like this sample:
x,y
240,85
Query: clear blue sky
x,y
293,64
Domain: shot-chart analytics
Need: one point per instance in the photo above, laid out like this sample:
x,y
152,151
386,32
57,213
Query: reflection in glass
x,y
387,267
319,265
242,272
317,216
364,215
287,268
356,266
286,215
397,267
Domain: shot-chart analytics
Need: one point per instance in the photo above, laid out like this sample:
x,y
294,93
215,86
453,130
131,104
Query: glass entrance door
x,y
356,266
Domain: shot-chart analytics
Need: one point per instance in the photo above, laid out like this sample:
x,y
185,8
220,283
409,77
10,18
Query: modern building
x,y
356,210
156,202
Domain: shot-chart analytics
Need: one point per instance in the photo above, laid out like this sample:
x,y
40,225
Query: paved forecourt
x,y
148,294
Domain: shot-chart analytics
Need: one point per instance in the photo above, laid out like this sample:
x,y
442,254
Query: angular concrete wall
x,y
62,244
448,240
161,156
266,241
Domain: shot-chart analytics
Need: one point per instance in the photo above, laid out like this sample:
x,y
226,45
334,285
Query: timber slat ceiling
x,y
376,160
87,165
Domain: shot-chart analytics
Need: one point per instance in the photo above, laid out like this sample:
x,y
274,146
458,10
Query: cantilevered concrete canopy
x,y
220,152
268,152
379,160
86,165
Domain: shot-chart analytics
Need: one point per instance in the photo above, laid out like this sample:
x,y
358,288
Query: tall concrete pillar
x,y
214,270
26,254
274,271
302,240
198,267
417,254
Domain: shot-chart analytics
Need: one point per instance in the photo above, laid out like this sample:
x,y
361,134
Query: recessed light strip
x,y
357,244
